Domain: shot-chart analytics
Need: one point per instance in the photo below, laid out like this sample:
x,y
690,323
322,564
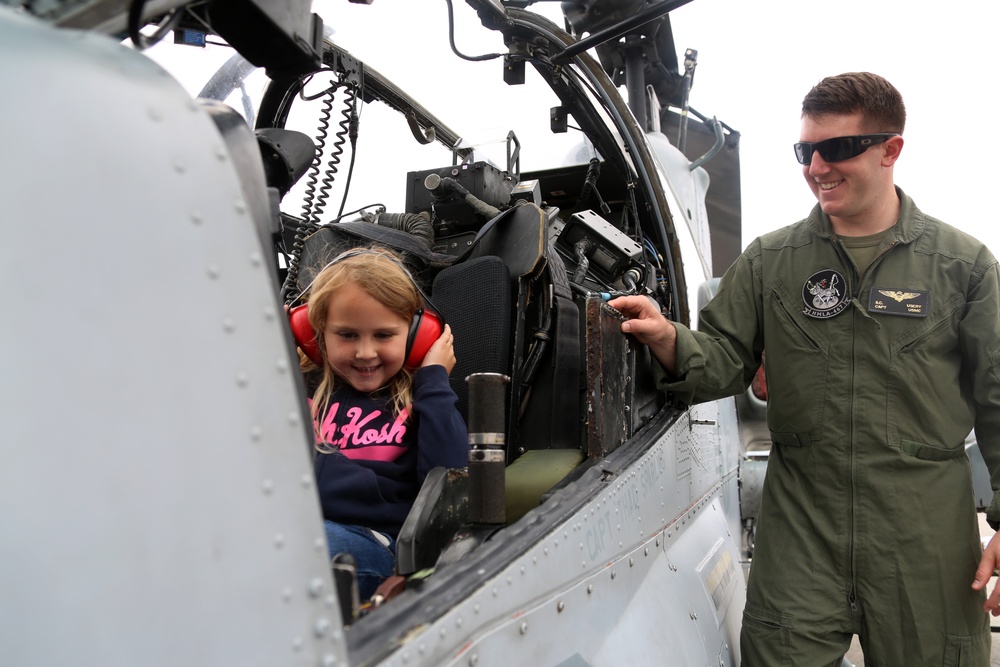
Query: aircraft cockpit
x,y
519,239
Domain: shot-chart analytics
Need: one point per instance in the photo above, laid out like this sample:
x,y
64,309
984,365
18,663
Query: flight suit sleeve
x,y
980,336
721,357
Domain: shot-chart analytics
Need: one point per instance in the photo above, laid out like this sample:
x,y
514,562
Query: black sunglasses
x,y
839,149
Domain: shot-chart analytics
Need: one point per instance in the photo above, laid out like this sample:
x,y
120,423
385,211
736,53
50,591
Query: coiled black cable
x,y
315,197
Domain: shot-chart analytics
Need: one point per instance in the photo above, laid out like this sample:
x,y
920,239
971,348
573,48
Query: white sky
x,y
942,56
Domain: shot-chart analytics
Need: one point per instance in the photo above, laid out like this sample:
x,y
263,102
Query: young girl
x,y
380,427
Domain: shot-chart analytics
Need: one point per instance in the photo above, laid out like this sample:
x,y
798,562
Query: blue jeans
x,y
374,561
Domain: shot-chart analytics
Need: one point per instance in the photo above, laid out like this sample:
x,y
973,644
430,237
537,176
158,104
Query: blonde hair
x,y
381,274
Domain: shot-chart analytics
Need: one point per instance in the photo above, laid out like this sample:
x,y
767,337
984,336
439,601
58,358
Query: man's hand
x,y
989,563
649,327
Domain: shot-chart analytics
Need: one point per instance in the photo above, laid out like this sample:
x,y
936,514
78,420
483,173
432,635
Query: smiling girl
x,y
381,425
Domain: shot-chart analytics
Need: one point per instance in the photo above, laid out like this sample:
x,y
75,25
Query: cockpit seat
x,y
475,299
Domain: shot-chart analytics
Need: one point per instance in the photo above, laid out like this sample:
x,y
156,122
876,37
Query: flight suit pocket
x,y
971,651
765,638
797,371
929,452
789,439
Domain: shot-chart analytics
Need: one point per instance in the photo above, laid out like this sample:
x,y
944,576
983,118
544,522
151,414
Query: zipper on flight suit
x,y
845,256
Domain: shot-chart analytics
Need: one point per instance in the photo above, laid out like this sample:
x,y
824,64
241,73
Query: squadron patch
x,y
825,294
906,302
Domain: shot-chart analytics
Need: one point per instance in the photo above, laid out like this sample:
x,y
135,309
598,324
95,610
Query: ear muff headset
x,y
426,326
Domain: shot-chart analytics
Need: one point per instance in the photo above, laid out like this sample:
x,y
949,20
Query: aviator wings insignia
x,y
898,295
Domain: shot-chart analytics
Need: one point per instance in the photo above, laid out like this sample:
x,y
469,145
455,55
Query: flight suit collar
x,y
908,228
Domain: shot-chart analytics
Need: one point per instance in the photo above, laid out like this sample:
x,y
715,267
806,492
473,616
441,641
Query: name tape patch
x,y
905,302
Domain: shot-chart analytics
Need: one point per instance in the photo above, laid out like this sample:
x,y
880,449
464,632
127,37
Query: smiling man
x,y
882,326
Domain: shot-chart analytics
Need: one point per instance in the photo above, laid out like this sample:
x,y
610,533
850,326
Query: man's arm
x,y
989,562
649,327
981,362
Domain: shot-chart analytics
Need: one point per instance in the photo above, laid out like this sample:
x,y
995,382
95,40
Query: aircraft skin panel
x,y
185,530
647,532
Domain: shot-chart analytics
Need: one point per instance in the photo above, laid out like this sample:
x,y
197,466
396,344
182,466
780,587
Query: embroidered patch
x,y
906,302
825,294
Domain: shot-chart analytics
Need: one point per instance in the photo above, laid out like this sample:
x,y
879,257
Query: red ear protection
x,y
426,327
305,337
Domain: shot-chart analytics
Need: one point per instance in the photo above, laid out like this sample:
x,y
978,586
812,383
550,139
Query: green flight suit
x,y
867,522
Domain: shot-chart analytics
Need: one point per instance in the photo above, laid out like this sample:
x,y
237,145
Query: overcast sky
x,y
756,61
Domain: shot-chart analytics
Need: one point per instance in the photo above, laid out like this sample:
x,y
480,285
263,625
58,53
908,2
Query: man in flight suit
x,y
882,330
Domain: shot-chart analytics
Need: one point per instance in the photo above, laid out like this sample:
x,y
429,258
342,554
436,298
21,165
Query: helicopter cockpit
x,y
520,261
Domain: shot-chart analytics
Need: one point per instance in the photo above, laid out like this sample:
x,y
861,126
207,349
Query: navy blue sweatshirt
x,y
380,461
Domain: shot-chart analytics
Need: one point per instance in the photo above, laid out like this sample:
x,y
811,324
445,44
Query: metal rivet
x,y
315,587
321,628
197,218
213,271
297,644
256,432
560,606
242,379
279,540
524,627
267,486
229,325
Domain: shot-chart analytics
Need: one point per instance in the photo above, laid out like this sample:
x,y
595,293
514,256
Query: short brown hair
x,y
877,100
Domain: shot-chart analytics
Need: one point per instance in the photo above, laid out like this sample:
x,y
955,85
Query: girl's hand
x,y
442,352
